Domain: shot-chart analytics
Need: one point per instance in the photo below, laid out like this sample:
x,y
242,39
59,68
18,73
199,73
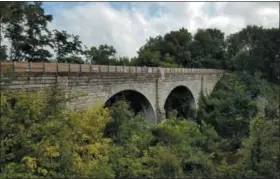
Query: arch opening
x,y
137,102
180,102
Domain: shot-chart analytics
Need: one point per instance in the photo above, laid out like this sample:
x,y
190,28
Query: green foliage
x,y
261,149
91,148
255,49
192,146
28,33
230,107
243,111
101,55
3,53
259,155
41,139
66,44
170,50
174,148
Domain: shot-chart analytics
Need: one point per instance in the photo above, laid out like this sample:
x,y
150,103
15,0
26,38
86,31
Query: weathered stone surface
x,y
94,87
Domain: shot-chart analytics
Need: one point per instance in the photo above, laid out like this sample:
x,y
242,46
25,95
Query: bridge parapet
x,y
90,68
100,82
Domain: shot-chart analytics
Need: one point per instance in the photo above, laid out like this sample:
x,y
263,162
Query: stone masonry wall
x,y
97,87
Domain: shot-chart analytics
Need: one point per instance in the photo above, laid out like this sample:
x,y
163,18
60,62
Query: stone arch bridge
x,y
147,88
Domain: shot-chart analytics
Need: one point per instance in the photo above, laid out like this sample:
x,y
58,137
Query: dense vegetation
x,y
235,132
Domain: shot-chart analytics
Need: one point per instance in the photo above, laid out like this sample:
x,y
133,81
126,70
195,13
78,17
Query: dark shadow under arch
x,y
137,102
181,102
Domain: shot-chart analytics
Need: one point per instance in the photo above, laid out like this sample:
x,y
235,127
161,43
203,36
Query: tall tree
x,y
255,49
3,52
66,46
102,55
30,36
207,49
10,12
172,48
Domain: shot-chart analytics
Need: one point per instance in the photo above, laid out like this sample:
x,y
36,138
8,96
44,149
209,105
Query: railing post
x,y
30,66
44,67
90,68
116,69
56,67
80,68
14,66
108,69
69,67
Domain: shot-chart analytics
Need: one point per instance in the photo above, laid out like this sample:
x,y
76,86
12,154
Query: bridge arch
x,y
181,100
137,101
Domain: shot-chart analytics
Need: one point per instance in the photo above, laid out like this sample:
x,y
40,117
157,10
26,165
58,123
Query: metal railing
x,y
89,68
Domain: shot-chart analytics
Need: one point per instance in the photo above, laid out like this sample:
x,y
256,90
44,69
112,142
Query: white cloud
x,y
127,29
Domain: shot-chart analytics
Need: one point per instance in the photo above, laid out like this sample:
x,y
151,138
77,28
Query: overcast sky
x,y
127,25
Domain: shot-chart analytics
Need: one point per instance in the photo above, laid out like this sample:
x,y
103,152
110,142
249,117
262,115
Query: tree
x,y
91,148
65,45
260,152
44,140
30,35
255,50
148,58
172,49
177,46
38,36
207,49
190,148
10,12
131,137
3,53
25,152
102,55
